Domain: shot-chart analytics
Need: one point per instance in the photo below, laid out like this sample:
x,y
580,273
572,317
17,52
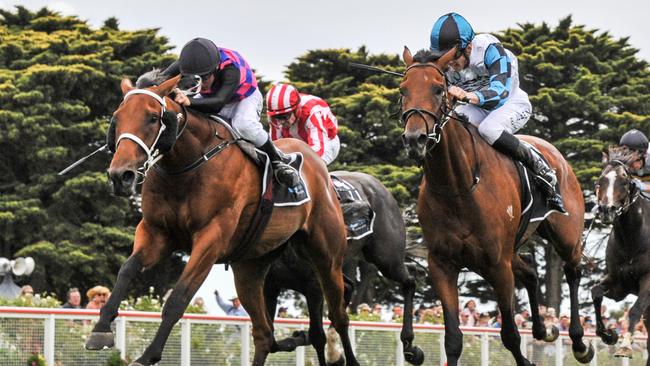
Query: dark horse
x,y
385,248
206,211
472,224
627,258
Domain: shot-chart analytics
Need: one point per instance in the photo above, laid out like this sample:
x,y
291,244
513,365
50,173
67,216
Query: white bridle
x,y
152,156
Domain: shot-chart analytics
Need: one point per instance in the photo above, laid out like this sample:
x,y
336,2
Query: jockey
x,y
305,117
229,88
636,140
495,103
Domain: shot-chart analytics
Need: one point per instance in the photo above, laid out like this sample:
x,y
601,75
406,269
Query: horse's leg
x,y
527,274
326,254
608,336
581,352
147,250
249,281
392,267
634,316
204,254
502,280
444,278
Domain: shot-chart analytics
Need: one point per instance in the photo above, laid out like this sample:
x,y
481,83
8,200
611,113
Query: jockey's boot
x,y
284,173
545,176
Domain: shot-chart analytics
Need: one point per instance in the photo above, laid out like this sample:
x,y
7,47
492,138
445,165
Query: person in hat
x,y
637,143
97,297
231,307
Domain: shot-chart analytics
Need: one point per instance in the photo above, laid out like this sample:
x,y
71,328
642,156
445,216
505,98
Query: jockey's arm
x,y
213,104
316,134
499,67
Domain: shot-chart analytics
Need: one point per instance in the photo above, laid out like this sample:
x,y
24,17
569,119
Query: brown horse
x,y
471,223
207,210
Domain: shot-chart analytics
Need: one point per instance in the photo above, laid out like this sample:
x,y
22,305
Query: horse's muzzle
x,y
122,181
606,213
415,144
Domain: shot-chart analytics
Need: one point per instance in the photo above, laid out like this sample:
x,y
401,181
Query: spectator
x,y
73,299
564,323
398,313
26,291
199,303
97,297
483,320
497,321
519,321
283,312
472,314
377,310
233,308
420,312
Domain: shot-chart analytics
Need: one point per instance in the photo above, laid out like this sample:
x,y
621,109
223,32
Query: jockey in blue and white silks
x,y
485,75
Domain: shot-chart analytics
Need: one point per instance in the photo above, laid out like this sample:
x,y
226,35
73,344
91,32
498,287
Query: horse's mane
x,y
424,56
150,78
623,154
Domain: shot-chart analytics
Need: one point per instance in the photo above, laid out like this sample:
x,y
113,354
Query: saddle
x,y
358,215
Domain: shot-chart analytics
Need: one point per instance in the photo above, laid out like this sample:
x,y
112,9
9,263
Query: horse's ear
x,y
126,85
605,158
446,58
165,88
407,57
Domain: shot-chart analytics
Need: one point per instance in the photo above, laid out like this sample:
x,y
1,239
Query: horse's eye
x,y
437,91
154,118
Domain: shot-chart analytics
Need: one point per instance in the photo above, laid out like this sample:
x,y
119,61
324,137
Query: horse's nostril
x,y
127,178
422,139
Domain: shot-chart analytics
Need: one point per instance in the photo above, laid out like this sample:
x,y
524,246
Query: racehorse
x,y
385,248
621,203
204,206
469,208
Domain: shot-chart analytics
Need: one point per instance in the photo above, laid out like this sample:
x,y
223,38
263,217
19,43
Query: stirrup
x,y
285,174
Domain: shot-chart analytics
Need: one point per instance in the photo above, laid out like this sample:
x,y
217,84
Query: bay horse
x,y
206,210
385,248
627,258
469,208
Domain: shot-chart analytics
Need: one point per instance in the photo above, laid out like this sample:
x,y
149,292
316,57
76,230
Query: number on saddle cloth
x,y
358,215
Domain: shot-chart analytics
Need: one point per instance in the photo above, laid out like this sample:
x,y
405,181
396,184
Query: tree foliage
x,y
59,82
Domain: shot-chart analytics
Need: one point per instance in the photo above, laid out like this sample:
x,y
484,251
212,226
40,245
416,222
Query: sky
x,y
271,34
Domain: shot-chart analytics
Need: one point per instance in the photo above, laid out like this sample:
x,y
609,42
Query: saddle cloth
x,y
533,200
358,216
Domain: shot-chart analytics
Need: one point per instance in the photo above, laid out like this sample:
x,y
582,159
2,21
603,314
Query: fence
x,y
59,334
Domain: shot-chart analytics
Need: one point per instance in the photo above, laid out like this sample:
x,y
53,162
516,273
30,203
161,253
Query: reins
x,y
434,134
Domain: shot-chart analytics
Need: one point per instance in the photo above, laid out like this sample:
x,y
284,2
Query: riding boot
x,y
523,152
284,173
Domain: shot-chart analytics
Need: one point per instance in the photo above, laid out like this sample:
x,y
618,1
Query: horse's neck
x,y
449,165
633,226
197,137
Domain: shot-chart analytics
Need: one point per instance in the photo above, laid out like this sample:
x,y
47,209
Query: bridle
x,y
153,154
632,195
439,121
434,134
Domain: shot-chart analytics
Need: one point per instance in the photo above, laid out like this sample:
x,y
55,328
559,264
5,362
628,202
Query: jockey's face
x,y
461,62
286,120
206,83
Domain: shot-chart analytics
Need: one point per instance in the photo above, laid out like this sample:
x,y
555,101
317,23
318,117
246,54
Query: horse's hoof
x,y
98,341
302,338
552,333
340,362
624,352
285,345
586,356
414,355
610,337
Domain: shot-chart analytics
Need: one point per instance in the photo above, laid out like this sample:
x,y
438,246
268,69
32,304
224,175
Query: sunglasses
x,y
282,117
